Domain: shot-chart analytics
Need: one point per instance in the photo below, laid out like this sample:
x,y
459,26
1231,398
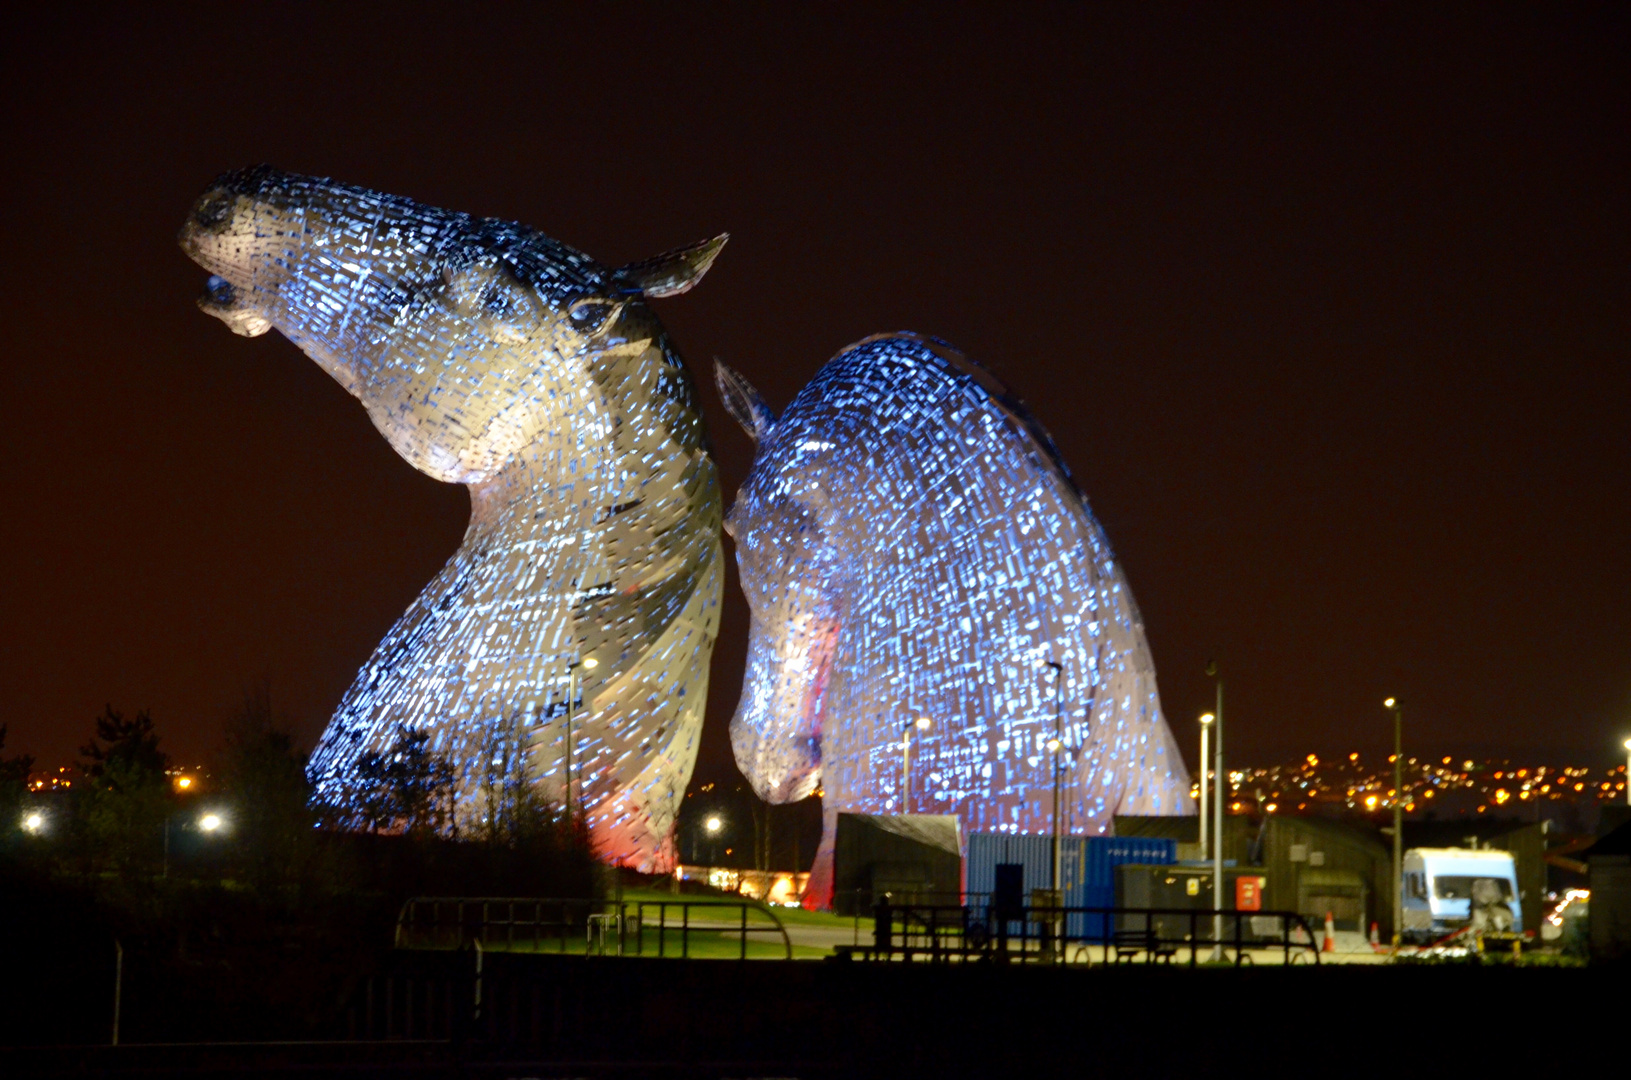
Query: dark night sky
x,y
1327,310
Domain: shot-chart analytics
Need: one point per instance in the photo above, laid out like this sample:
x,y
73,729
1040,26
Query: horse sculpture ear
x,y
672,272
743,402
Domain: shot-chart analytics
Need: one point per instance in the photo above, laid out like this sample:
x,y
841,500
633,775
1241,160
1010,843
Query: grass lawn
x,y
715,920
789,916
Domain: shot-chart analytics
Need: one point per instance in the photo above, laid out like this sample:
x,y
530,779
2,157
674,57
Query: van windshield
x,y
1461,887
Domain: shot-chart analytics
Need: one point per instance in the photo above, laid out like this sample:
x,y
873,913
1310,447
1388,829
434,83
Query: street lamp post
x,y
1054,746
712,827
922,723
1628,772
571,697
1221,781
1392,705
1206,730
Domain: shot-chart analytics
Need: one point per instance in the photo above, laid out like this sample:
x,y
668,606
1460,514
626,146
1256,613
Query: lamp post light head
x,y
713,824
590,662
183,783
1628,744
924,723
210,823
1054,745
1207,718
1390,703
34,821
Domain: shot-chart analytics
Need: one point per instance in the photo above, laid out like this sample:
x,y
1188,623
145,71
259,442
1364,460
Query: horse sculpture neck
x,y
973,636
585,594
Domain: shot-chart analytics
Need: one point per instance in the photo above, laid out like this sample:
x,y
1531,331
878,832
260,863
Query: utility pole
x,y
1392,705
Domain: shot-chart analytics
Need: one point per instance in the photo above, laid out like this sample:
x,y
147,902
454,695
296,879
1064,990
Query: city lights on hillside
x,y
1347,784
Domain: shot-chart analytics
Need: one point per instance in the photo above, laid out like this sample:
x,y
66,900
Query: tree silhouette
x,y
13,782
407,789
127,800
265,777
132,742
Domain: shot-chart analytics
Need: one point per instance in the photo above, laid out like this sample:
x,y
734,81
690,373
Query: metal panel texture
x,y
562,653
938,621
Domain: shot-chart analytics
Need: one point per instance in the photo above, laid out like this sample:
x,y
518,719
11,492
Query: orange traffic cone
x,y
1330,934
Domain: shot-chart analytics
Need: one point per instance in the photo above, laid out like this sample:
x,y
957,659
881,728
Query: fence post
x,y
118,984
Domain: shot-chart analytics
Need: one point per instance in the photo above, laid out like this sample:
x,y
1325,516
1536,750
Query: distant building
x,y
1312,865
1316,864
1610,905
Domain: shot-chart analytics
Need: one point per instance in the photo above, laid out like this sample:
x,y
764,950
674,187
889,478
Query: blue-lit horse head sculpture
x,y
565,645
934,605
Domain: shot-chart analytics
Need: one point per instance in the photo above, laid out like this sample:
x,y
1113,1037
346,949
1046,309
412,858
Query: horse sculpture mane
x,y
917,560
491,355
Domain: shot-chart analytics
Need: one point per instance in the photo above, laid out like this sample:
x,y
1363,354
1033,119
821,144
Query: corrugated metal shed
x,y
1313,864
1087,868
913,857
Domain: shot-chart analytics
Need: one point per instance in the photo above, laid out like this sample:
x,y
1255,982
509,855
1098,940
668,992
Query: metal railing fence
x,y
588,927
1041,934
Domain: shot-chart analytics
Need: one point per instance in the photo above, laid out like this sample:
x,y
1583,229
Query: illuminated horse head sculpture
x,y
917,558
490,355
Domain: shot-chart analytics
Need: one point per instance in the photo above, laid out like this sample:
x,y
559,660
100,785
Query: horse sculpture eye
x,y
495,301
588,313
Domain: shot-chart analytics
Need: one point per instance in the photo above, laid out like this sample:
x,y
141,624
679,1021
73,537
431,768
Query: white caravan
x,y
1447,889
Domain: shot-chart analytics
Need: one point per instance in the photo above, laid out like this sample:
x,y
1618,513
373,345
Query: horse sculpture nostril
x,y
220,291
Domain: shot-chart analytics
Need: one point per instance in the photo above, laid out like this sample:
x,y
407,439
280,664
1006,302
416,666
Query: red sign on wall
x,y
1249,893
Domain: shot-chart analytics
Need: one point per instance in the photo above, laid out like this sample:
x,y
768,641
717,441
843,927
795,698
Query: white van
x,y
1447,889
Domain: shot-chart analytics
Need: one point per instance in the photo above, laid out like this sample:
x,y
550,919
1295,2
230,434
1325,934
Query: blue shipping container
x,y
1087,867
